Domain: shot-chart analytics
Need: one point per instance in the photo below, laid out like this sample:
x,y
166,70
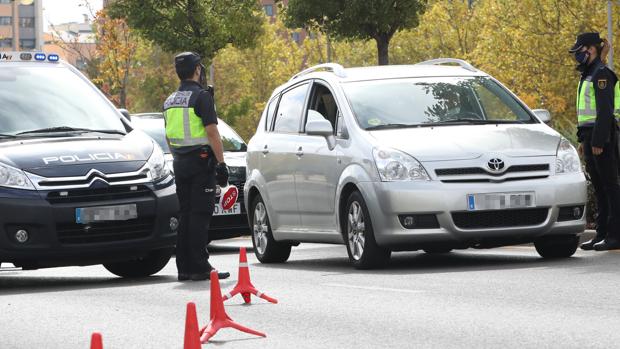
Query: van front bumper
x,y
457,227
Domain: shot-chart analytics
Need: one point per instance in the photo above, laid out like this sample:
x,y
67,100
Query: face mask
x,y
582,57
203,75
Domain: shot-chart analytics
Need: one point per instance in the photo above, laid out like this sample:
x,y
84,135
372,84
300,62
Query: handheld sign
x,y
228,197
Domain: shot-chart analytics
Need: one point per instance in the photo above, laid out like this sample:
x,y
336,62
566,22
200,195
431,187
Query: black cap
x,y
186,61
585,39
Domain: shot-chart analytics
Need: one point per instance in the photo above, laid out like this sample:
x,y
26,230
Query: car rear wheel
x,y
266,248
557,246
151,264
364,253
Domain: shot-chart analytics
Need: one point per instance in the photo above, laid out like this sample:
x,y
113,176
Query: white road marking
x,y
374,288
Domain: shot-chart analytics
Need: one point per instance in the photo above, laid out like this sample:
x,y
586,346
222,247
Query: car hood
x,y
465,142
235,159
75,156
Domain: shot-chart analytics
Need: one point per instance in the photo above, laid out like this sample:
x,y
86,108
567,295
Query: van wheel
x,y
266,248
557,246
151,264
364,253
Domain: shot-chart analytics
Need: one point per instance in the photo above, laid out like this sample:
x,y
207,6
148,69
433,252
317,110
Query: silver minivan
x,y
430,157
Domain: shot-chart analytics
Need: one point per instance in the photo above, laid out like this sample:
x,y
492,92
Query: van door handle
x,y
265,150
300,151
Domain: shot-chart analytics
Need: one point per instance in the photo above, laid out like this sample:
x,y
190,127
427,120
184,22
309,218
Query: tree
x,y
357,19
201,26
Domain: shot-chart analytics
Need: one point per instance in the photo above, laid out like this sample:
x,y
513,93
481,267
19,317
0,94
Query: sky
x,y
63,11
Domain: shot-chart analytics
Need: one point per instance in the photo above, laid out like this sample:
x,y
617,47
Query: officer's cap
x,y
586,39
187,61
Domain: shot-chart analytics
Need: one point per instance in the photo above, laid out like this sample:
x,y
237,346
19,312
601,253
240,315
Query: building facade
x,y
21,25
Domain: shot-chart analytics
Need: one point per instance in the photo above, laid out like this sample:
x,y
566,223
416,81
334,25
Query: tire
x,y
141,267
553,247
359,236
437,250
266,248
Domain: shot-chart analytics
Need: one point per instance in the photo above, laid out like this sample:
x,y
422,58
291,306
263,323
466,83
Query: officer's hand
x,y
221,174
597,150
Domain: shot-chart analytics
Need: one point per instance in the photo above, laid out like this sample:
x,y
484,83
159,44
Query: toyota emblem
x,y
496,165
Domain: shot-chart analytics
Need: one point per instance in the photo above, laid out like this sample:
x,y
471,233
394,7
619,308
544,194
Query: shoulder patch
x,y
178,99
602,84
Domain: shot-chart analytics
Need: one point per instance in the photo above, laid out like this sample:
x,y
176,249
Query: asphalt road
x,y
508,298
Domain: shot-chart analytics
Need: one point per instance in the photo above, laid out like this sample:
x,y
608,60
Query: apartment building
x,y
21,25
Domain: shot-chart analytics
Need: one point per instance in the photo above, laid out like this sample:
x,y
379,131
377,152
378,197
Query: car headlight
x,y
567,158
394,165
11,177
157,164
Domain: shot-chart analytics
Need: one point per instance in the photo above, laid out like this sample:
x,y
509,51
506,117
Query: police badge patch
x,y
602,84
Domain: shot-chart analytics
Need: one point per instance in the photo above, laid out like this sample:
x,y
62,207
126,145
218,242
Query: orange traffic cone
x,y
244,285
219,318
95,341
192,335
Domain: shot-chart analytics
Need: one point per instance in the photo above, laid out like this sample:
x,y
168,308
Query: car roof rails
x,y
439,61
335,68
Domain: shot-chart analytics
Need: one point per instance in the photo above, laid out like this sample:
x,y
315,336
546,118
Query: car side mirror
x,y
543,114
320,127
125,113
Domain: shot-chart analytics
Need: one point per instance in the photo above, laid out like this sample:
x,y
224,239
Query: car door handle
x,y
265,150
300,151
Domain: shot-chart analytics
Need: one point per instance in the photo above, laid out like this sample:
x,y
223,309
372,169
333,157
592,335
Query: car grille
x,y
92,177
74,233
500,218
479,174
101,194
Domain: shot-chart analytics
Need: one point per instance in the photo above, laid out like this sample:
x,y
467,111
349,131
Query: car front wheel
x,y
364,253
151,264
266,248
557,246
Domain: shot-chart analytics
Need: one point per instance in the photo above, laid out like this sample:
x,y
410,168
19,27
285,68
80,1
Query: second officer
x,y
195,143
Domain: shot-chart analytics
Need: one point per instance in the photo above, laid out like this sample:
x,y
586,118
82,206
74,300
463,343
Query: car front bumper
x,y
387,200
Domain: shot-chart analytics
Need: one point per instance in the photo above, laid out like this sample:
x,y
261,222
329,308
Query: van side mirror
x,y
319,126
543,114
125,113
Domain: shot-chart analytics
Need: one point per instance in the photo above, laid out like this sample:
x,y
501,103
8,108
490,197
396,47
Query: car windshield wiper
x,y
390,126
3,135
69,129
472,121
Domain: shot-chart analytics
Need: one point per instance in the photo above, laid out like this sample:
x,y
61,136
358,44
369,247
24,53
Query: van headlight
x,y
157,164
567,158
394,165
11,177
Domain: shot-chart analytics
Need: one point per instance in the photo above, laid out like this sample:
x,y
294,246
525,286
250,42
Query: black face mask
x,y
582,57
203,75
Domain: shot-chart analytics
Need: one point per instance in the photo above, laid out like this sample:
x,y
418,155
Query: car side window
x,y
324,102
271,111
290,110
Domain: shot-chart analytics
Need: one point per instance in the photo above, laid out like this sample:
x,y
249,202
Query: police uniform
x,y
598,102
187,112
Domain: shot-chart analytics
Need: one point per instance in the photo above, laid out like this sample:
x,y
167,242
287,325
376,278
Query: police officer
x,y
191,132
597,98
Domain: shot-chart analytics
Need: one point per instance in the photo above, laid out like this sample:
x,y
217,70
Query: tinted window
x,y
290,110
271,109
430,100
51,96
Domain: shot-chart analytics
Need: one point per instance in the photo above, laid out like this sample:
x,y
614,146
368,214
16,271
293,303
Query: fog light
x,y
408,222
174,224
577,212
21,236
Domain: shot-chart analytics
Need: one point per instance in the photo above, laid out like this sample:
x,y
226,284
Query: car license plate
x,y
500,201
106,213
219,211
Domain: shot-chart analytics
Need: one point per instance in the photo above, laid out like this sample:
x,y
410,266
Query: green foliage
x,y
202,26
357,19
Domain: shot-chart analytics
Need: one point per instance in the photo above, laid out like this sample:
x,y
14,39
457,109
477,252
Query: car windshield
x,y
155,127
426,101
51,98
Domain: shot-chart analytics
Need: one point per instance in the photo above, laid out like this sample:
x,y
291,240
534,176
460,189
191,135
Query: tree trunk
x,y
383,47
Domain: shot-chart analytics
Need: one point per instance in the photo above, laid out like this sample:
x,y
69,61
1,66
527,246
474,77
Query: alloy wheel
x,y
356,229
260,228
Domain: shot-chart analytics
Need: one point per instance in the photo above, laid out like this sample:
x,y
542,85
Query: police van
x,y
78,186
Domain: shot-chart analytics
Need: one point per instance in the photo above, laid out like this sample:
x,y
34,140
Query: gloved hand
x,y
221,174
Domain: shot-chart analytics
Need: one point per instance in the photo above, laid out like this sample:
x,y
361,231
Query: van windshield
x,y
42,97
413,102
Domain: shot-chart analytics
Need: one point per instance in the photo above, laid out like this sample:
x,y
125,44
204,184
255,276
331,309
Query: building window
x,y
6,20
4,43
268,10
27,44
26,22
296,37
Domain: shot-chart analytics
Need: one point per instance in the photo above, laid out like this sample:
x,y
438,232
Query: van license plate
x,y
219,211
500,201
106,213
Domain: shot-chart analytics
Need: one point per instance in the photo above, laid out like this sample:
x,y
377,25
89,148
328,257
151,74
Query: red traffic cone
x,y
95,341
192,335
244,285
219,318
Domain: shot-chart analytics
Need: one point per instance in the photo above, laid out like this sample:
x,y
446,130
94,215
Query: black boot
x,y
608,244
589,246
